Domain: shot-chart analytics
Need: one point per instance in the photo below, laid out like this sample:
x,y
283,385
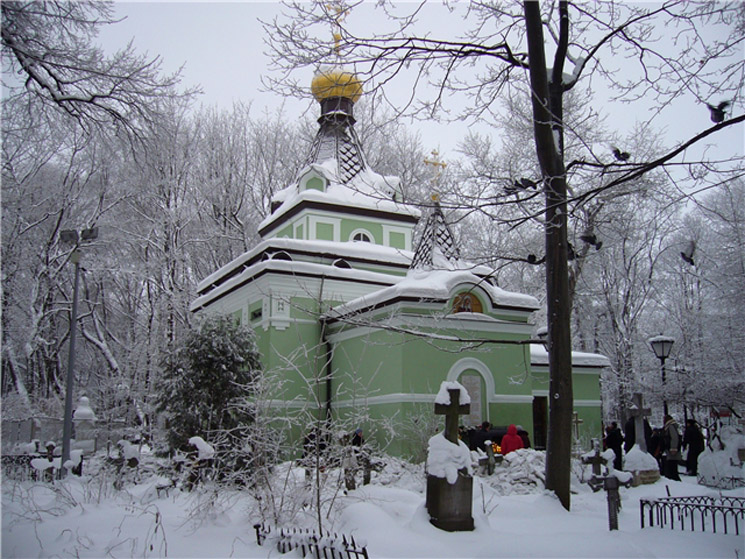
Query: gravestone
x,y
449,504
639,412
85,426
576,422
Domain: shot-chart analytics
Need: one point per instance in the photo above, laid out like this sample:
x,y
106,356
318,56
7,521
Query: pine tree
x,y
205,377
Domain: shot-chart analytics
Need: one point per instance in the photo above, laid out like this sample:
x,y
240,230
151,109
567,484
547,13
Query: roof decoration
x,y
337,90
436,248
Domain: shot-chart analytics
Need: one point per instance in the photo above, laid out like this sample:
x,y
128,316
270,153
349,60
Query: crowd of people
x,y
664,443
507,439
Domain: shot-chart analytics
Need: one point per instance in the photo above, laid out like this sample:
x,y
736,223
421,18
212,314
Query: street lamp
x,y
662,345
72,237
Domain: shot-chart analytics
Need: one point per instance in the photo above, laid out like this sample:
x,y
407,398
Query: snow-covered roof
x,y
367,190
367,252
292,267
539,356
433,285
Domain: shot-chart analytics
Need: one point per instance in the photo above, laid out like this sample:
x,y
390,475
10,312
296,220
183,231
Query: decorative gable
x,y
312,180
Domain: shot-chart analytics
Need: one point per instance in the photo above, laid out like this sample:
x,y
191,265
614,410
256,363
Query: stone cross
x,y
596,460
451,412
576,422
639,412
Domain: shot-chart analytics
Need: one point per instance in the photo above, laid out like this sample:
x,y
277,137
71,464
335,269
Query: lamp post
x,y
662,345
69,236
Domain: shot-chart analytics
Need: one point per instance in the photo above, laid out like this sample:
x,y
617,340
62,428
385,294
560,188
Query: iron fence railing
x,y
328,546
696,513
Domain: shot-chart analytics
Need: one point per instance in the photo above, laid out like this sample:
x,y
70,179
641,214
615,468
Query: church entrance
x,y
540,422
474,384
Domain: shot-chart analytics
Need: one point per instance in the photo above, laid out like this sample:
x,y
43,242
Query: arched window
x,y
361,236
341,263
467,302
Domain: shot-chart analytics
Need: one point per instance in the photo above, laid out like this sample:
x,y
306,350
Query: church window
x,y
398,240
281,255
325,232
361,236
341,263
313,181
467,302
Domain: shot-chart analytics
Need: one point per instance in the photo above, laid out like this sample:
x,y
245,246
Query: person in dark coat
x,y
629,433
479,437
511,441
671,455
614,441
693,440
524,436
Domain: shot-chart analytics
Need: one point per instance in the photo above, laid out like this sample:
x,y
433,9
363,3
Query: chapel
x,y
357,319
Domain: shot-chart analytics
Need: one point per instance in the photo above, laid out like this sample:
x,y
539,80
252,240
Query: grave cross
x,y
576,422
451,412
596,459
639,412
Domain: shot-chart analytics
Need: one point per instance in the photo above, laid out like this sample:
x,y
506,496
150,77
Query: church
x,y
359,322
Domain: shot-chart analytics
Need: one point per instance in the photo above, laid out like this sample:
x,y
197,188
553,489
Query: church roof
x,y
539,356
336,155
433,285
436,248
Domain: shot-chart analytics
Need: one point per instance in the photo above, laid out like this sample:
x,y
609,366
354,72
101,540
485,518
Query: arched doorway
x,y
477,379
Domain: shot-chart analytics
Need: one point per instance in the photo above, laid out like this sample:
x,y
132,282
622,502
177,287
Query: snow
x,y
434,285
84,410
444,458
514,517
205,450
368,189
638,461
443,396
539,356
718,466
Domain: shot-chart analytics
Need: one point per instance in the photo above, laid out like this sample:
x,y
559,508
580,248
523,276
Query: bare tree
x,y
50,60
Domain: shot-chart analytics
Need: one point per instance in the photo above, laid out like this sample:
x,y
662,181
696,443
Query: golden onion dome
x,y
335,82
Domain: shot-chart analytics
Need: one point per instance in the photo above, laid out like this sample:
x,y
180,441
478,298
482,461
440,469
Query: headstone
x,y
639,412
85,426
449,504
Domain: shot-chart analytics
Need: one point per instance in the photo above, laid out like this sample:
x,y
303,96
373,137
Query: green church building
x,y
357,322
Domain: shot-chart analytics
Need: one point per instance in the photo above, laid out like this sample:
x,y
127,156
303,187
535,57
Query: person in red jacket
x,y
511,441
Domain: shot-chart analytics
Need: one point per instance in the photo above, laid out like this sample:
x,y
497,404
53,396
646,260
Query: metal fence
x,y
329,546
696,513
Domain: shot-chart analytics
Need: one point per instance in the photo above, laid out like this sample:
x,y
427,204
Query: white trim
x,y
302,222
511,399
587,403
468,364
543,393
442,322
395,398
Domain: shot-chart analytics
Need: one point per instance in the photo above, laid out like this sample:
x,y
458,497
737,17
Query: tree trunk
x,y
547,131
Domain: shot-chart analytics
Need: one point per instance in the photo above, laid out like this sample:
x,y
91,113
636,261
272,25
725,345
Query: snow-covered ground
x,y
514,517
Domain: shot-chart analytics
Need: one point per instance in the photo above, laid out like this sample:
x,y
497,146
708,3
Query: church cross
x,y
451,412
341,13
639,412
436,163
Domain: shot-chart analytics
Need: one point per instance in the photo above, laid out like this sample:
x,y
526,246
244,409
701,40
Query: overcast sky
x,y
221,45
